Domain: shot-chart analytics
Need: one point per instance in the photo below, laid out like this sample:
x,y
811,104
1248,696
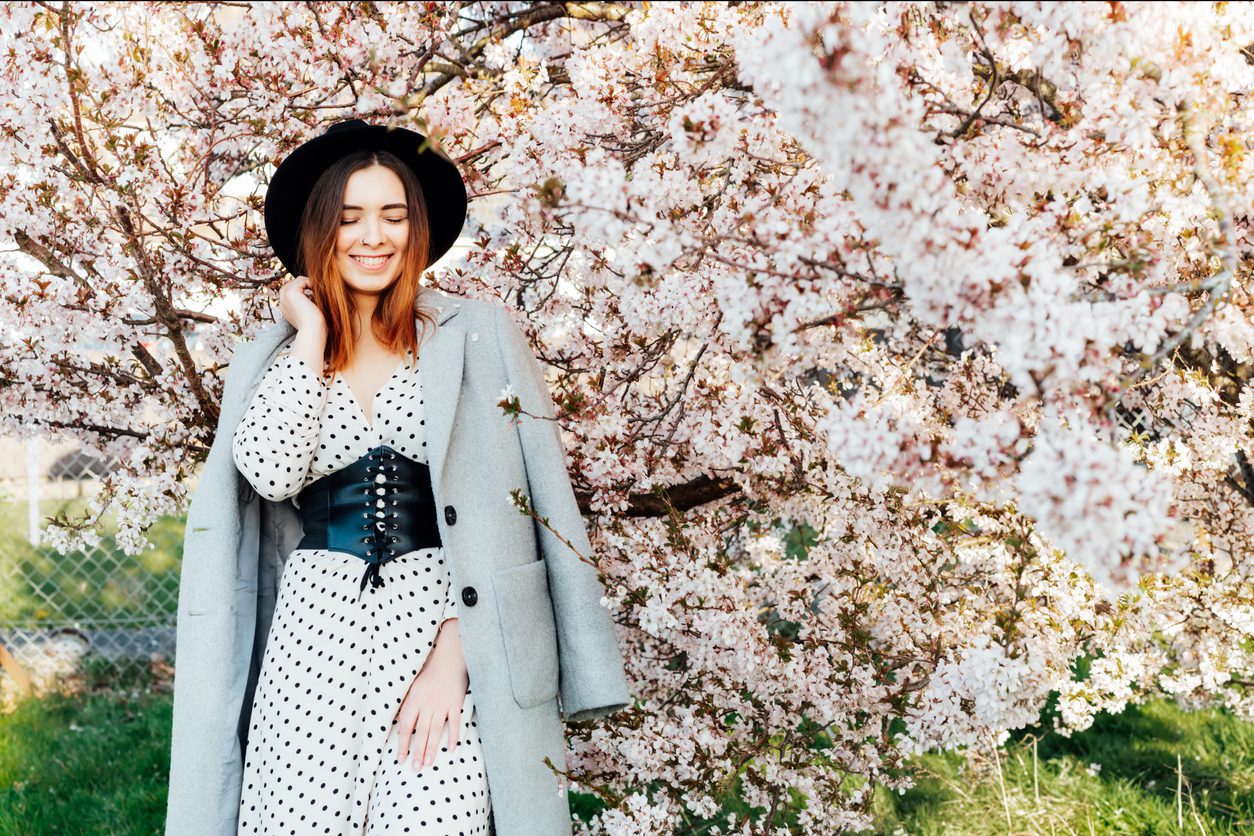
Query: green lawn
x,y
92,765
1118,777
97,764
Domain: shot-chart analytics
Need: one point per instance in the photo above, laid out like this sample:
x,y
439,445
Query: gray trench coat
x,y
540,647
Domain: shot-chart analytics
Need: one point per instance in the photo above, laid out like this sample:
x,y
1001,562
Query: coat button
x,y
469,596
450,515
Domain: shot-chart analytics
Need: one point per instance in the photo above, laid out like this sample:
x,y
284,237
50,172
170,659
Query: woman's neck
x,y
365,343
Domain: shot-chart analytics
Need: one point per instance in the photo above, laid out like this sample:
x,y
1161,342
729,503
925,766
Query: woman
x,y
369,421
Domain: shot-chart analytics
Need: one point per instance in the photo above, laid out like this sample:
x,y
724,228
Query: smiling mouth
x,y
371,262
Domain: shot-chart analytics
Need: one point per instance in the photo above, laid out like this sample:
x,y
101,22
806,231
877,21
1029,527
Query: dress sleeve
x,y
275,440
450,602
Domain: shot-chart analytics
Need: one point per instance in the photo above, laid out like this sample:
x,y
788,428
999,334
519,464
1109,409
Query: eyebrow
x,y
385,208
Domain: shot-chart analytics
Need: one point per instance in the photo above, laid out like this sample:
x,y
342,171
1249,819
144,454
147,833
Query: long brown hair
x,y
393,319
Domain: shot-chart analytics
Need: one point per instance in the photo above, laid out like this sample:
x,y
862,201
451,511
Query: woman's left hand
x,y
434,698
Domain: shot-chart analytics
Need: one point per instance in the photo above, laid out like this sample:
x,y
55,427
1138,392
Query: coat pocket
x,y
525,612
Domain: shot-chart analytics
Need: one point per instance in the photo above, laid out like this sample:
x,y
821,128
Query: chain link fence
x,y
98,609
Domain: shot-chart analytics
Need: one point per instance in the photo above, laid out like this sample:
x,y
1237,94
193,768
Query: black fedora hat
x,y
292,183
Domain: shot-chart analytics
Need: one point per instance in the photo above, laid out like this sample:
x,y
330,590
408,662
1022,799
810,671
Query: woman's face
x,y
374,230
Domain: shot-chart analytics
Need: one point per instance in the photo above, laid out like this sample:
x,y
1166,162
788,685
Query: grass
x,y
97,764
1120,776
94,764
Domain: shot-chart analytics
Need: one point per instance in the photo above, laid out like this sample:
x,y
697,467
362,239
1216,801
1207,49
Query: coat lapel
x,y
440,367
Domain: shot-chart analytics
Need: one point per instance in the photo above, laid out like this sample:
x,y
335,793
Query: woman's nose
x,y
373,232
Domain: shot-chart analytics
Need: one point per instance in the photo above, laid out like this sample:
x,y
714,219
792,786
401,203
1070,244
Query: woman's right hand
x,y
299,309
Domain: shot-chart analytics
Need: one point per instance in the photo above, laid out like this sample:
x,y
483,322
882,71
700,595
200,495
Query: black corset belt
x,y
378,507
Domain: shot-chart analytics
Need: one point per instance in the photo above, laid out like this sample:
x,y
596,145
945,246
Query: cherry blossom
x,y
901,349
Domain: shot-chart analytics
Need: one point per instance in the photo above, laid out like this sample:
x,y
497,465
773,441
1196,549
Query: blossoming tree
x,y
901,349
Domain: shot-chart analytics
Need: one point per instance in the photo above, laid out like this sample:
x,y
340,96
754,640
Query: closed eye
x,y
389,220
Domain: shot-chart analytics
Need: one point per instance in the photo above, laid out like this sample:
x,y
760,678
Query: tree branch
x,y
682,497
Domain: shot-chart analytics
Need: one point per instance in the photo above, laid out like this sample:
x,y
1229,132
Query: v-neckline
x,y
370,419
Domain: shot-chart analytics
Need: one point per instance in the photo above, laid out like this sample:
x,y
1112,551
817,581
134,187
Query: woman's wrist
x,y
447,633
448,641
310,345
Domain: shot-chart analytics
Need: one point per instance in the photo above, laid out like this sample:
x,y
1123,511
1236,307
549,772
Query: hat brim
x,y
443,190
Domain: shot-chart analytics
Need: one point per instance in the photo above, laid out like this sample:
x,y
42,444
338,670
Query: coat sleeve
x,y
593,682
450,603
275,439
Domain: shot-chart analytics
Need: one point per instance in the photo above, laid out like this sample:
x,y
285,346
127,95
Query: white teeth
x,y
373,261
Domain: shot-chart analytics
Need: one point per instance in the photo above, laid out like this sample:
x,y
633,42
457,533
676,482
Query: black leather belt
x,y
378,507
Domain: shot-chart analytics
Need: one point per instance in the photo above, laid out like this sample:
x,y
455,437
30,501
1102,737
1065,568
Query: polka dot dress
x,y
323,740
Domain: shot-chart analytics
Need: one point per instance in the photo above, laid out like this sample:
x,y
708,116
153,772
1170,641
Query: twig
x,y
1179,797
523,503
1196,817
1001,781
901,376
1036,784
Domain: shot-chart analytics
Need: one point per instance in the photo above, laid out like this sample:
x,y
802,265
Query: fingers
x,y
427,748
421,733
455,726
296,302
421,721
433,741
453,729
406,718
298,286
406,730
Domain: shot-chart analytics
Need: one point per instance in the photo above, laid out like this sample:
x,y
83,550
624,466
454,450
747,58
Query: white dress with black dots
x,y
322,744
